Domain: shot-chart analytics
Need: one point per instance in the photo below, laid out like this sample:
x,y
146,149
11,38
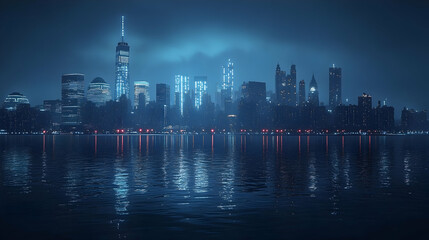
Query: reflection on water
x,y
214,183
16,169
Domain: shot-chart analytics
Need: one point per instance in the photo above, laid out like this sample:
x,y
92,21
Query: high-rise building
x,y
313,93
122,78
227,87
98,92
53,107
163,94
254,91
280,86
181,88
334,86
14,99
301,95
72,98
365,107
200,90
141,94
291,87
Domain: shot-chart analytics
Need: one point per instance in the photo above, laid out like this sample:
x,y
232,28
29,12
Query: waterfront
x,y
214,186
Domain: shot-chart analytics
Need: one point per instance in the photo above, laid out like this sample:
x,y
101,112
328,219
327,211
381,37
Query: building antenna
x,y
123,31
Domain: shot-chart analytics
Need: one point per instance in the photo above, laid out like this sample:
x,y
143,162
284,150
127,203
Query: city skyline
x,y
148,57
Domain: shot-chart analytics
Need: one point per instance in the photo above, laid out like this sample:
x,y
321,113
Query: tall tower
x,y
200,90
301,96
122,78
313,94
72,98
365,107
334,86
291,87
181,89
280,86
227,88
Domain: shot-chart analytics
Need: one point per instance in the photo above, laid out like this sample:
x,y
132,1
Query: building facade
x,y
163,94
280,85
227,87
15,99
301,95
313,93
200,90
72,99
181,89
141,94
334,87
98,92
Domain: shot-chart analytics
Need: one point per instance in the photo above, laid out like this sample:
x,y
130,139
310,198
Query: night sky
x,y
382,46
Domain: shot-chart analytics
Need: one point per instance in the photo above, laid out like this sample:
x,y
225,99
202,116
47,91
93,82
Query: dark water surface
x,y
221,186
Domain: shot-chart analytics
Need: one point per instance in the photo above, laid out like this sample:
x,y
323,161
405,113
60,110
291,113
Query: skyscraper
x,y
227,87
163,94
365,107
122,80
141,94
280,86
291,87
301,96
181,88
200,90
313,94
72,98
98,92
254,91
334,86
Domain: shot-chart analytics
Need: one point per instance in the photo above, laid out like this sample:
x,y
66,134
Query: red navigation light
x,y
122,131
44,131
147,130
140,130
95,131
212,130
117,130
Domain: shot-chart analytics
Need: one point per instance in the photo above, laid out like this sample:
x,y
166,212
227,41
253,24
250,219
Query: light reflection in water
x,y
201,173
121,188
407,169
384,170
16,165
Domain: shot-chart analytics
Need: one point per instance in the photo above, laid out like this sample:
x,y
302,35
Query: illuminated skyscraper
x,y
334,86
122,80
98,92
301,95
313,93
181,88
365,108
227,88
200,90
291,87
141,93
280,86
72,98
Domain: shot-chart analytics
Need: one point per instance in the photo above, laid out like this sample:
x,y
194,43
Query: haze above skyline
x,y
381,46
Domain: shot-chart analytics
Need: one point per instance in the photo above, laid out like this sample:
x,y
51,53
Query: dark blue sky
x,y
382,46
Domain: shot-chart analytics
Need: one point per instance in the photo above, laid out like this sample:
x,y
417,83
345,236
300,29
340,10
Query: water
x,y
211,187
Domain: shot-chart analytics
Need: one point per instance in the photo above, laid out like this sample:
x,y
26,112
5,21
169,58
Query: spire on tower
x,y
123,31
